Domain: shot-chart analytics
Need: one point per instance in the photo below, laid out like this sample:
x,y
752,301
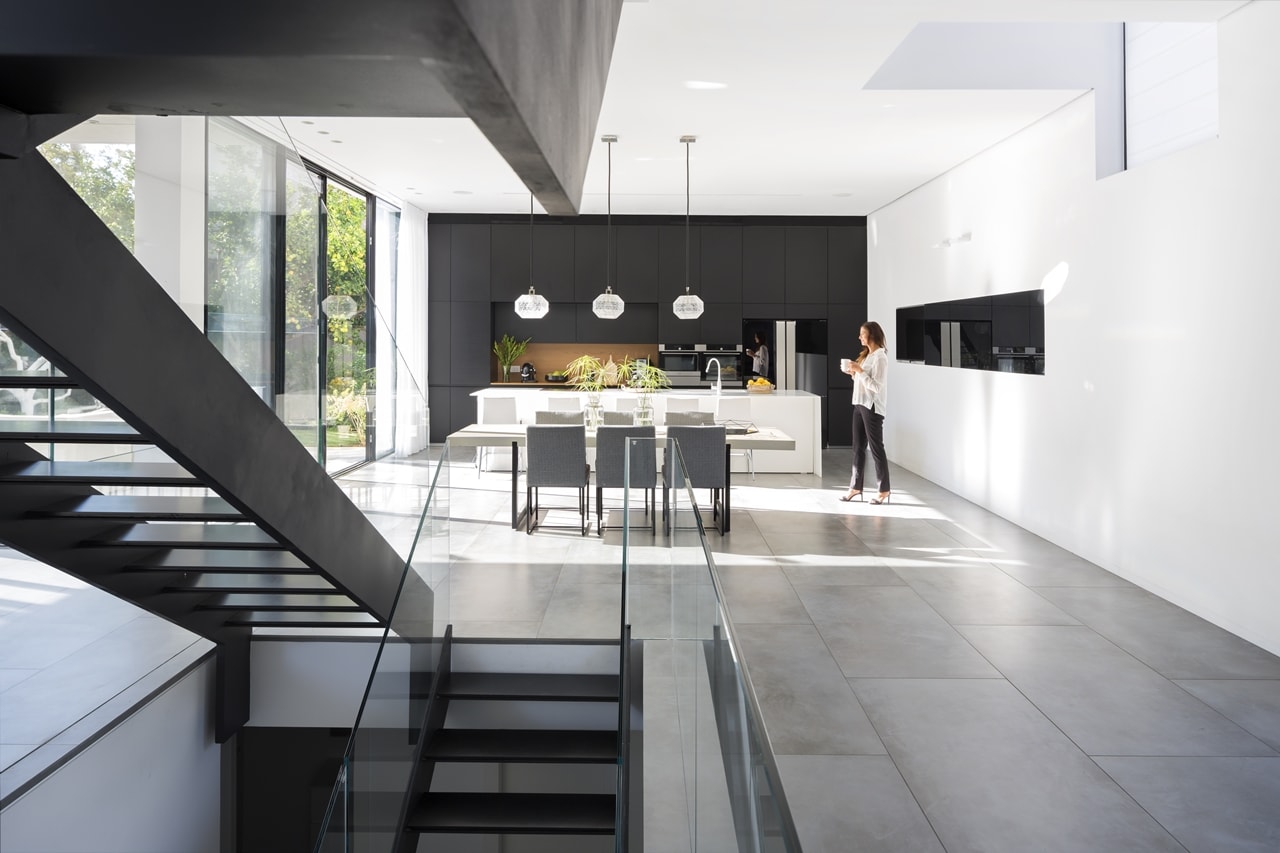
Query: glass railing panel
x,y
702,736
374,787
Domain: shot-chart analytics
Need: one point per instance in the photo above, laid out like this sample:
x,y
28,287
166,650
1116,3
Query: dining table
x,y
513,436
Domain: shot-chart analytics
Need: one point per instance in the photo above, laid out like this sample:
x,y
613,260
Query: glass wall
x,y
250,239
242,207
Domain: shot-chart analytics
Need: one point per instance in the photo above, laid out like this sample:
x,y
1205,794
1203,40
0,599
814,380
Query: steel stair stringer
x,y
76,295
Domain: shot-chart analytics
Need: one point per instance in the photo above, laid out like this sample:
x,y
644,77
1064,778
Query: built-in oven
x,y
729,359
682,363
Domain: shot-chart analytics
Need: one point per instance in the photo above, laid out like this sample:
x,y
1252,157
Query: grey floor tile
x,y
1172,641
806,701
1105,700
982,595
826,541
10,677
1214,805
831,571
1253,705
992,774
761,594
889,632
853,804
583,611
496,592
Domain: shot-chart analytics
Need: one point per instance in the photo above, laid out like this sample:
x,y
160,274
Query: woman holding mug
x,y
870,371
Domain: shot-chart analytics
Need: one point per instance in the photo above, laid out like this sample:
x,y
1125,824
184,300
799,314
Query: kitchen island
x,y
796,413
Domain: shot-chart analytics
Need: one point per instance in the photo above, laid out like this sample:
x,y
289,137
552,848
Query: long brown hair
x,y
876,334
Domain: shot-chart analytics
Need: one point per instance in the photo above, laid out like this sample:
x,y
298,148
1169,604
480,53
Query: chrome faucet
x,y
717,361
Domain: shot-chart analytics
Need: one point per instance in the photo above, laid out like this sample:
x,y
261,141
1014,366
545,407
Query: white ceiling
x,y
792,131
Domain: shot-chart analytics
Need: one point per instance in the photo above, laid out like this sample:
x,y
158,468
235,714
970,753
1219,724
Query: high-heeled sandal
x,y
880,499
851,496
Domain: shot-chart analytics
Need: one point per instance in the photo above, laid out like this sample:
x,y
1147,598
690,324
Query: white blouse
x,y
870,387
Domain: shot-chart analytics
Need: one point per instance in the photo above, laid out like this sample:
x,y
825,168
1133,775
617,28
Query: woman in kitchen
x,y
869,370
759,357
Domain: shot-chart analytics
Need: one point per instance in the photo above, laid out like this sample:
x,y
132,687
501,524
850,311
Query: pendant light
x,y
608,305
688,306
530,305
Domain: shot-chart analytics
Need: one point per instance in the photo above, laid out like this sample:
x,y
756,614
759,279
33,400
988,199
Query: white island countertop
x,y
796,413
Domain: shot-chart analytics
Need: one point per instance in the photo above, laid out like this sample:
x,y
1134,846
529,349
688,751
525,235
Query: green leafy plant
x,y
507,350
642,376
586,372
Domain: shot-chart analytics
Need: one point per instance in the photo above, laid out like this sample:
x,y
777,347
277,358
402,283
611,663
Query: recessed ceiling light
x,y
307,121
704,84
643,159
323,132
336,141
462,192
841,195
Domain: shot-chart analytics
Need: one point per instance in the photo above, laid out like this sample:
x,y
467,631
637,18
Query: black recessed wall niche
x,y
1003,333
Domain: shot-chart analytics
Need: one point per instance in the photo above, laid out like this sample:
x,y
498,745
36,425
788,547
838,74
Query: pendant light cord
x,y
686,217
608,228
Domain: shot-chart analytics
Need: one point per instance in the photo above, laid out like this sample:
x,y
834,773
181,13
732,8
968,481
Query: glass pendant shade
x,y
688,306
531,306
608,305
339,307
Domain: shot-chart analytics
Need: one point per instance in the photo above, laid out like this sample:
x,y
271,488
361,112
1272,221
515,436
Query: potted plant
x,y
508,349
587,373
645,378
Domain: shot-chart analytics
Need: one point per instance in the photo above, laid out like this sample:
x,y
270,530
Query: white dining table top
x,y
501,435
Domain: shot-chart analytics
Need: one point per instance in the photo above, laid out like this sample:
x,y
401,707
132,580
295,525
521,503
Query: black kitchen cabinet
x,y
764,266
806,264
636,270
438,275
637,325
721,263
671,262
589,268
510,261
469,264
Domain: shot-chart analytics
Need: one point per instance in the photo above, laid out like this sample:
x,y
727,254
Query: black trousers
x,y
868,430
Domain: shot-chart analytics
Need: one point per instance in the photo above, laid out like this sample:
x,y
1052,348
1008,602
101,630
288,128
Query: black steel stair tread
x,y
190,560
520,685
237,582
301,619
189,535
143,507
586,746
42,380
81,432
540,814
133,473
282,602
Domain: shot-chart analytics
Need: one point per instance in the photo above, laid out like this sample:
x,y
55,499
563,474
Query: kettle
x,y
527,373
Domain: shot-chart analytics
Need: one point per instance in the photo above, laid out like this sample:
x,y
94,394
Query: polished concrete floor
x,y
931,677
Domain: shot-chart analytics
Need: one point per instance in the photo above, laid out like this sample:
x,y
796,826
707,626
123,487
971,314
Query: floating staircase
x,y
520,753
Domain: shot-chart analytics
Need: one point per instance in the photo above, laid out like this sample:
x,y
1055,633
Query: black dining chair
x,y
612,443
705,467
556,457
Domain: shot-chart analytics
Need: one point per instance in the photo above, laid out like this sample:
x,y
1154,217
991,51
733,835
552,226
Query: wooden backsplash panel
x,y
546,357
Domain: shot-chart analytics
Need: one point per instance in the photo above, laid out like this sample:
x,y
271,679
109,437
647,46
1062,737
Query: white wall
x,y
308,683
1150,446
150,786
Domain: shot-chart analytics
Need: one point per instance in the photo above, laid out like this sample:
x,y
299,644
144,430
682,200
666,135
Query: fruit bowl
x,y
762,388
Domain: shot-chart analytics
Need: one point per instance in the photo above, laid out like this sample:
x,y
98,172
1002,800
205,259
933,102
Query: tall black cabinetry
x,y
811,268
